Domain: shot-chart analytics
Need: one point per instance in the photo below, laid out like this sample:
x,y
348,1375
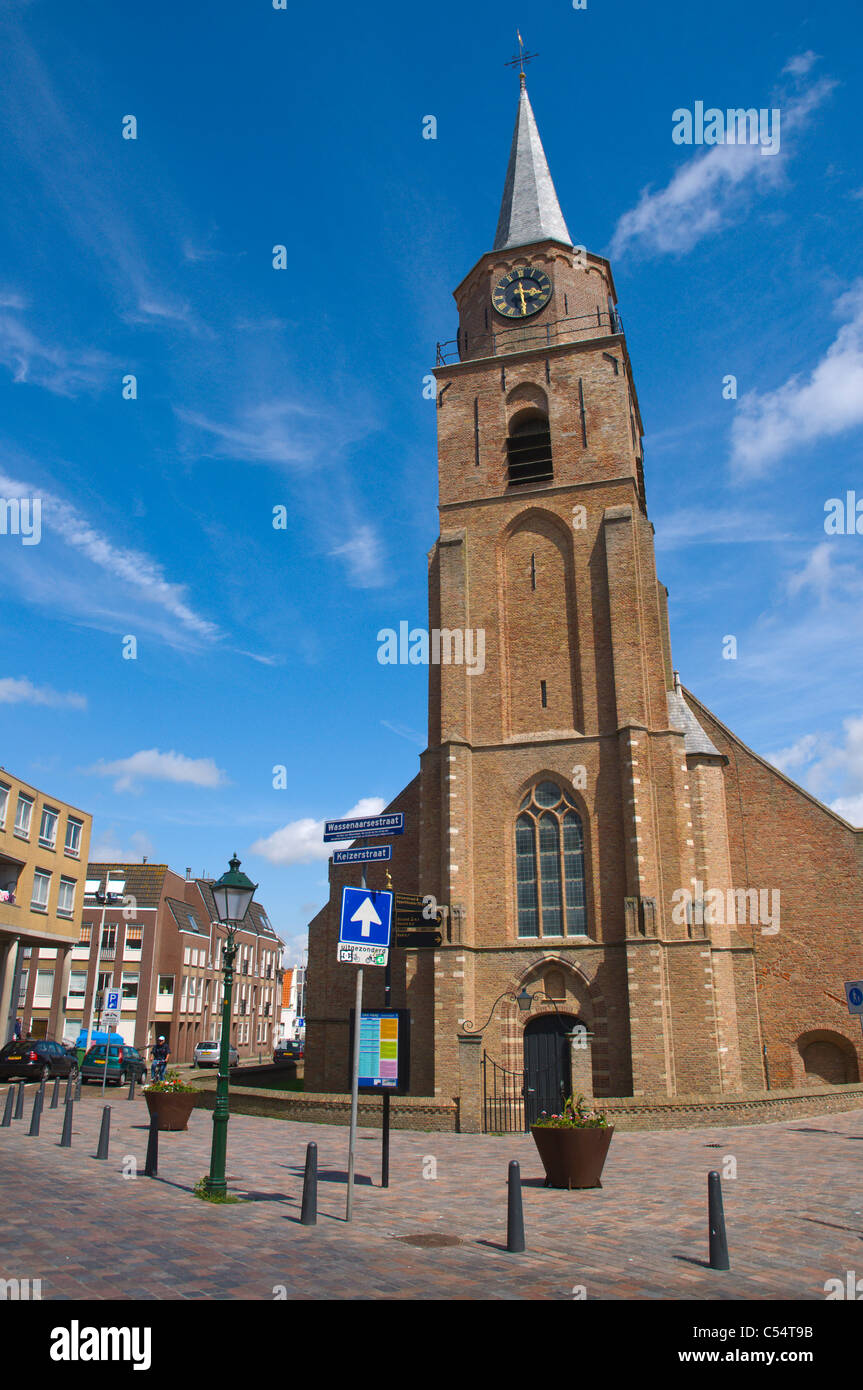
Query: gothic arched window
x,y
549,859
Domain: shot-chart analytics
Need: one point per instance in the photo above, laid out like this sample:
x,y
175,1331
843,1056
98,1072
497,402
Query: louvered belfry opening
x,y
528,449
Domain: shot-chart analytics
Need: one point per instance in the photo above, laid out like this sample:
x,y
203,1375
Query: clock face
x,y
524,291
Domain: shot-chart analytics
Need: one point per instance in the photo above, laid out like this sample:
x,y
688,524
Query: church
x,y
636,904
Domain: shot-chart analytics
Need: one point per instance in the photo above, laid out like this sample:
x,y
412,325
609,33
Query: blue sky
x,y
302,388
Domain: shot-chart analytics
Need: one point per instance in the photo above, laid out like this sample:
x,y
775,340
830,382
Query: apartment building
x,y
44,843
154,934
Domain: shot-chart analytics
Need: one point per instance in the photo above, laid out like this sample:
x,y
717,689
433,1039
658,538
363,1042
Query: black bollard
x,y
42,1085
68,1096
514,1215
55,1094
78,1087
132,1087
7,1113
33,1131
716,1220
104,1132
19,1102
66,1137
309,1213
151,1166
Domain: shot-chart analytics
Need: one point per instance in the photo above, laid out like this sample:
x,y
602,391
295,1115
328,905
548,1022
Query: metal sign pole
x,y
355,1084
355,1090
385,1118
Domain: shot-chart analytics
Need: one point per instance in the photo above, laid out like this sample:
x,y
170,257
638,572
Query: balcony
x,y
500,342
107,952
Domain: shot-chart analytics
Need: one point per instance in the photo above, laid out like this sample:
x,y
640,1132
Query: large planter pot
x,y
173,1110
572,1157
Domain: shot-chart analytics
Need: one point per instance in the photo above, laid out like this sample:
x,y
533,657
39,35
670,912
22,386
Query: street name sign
x,y
854,995
367,855
360,826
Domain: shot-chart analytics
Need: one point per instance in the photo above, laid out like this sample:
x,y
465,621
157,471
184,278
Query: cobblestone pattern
x,y
793,1213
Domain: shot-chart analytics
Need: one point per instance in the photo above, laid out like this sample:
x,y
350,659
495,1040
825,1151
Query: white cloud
x,y
800,64
21,691
108,850
302,841
364,556
802,410
799,754
279,431
850,808
142,575
830,768
708,191
60,369
151,765
718,526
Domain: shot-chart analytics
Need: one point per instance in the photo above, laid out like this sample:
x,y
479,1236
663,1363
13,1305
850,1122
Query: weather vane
x,y
519,59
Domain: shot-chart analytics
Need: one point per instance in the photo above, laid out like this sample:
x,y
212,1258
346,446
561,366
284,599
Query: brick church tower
x,y
575,808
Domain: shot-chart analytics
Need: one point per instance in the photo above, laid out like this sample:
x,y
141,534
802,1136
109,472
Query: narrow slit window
x,y
543,694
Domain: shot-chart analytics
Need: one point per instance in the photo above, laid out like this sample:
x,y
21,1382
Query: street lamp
x,y
233,894
523,999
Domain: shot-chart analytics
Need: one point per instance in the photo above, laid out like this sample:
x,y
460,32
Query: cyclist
x,y
161,1053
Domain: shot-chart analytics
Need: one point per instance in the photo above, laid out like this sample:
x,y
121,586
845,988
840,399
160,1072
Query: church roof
x,y
681,718
529,211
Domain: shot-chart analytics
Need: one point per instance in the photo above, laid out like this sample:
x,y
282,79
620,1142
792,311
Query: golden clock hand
x,y
519,289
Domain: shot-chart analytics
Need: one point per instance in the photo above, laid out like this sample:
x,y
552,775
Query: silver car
x,y
207,1055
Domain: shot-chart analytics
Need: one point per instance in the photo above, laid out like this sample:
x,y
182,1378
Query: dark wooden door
x,y
547,1064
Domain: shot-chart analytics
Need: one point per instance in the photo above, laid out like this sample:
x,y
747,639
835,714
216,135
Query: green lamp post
x,y
233,894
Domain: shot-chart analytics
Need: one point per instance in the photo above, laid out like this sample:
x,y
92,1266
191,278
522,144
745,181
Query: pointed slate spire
x,y
529,211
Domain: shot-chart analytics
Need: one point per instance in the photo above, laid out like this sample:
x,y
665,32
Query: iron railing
x,y
499,342
503,1110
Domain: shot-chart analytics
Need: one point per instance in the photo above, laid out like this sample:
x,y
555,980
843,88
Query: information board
x,y
384,1050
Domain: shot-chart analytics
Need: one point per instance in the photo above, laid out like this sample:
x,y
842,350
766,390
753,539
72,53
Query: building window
x,y
48,828
77,987
134,938
41,889
528,448
549,857
44,984
73,837
130,984
84,938
4,802
23,812
66,897
166,984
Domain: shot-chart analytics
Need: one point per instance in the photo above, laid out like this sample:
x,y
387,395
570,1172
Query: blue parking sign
x,y
366,917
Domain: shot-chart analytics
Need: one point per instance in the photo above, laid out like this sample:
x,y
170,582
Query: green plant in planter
x,y
576,1115
172,1085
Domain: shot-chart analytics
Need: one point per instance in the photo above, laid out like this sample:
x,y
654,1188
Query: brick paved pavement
x,y
793,1213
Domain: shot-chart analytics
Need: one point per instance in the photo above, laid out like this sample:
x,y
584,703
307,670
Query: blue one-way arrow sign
x,y
366,917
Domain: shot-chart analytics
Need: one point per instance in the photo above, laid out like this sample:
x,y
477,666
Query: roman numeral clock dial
x,y
524,291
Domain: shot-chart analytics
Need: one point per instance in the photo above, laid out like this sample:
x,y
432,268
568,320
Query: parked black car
x,y
35,1059
288,1052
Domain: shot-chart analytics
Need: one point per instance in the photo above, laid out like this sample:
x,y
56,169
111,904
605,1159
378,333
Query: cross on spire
x,y
519,59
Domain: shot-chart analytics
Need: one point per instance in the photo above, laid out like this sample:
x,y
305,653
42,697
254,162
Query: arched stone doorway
x,y
548,1076
828,1059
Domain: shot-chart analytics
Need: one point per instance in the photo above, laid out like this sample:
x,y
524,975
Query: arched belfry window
x,y
549,858
528,448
